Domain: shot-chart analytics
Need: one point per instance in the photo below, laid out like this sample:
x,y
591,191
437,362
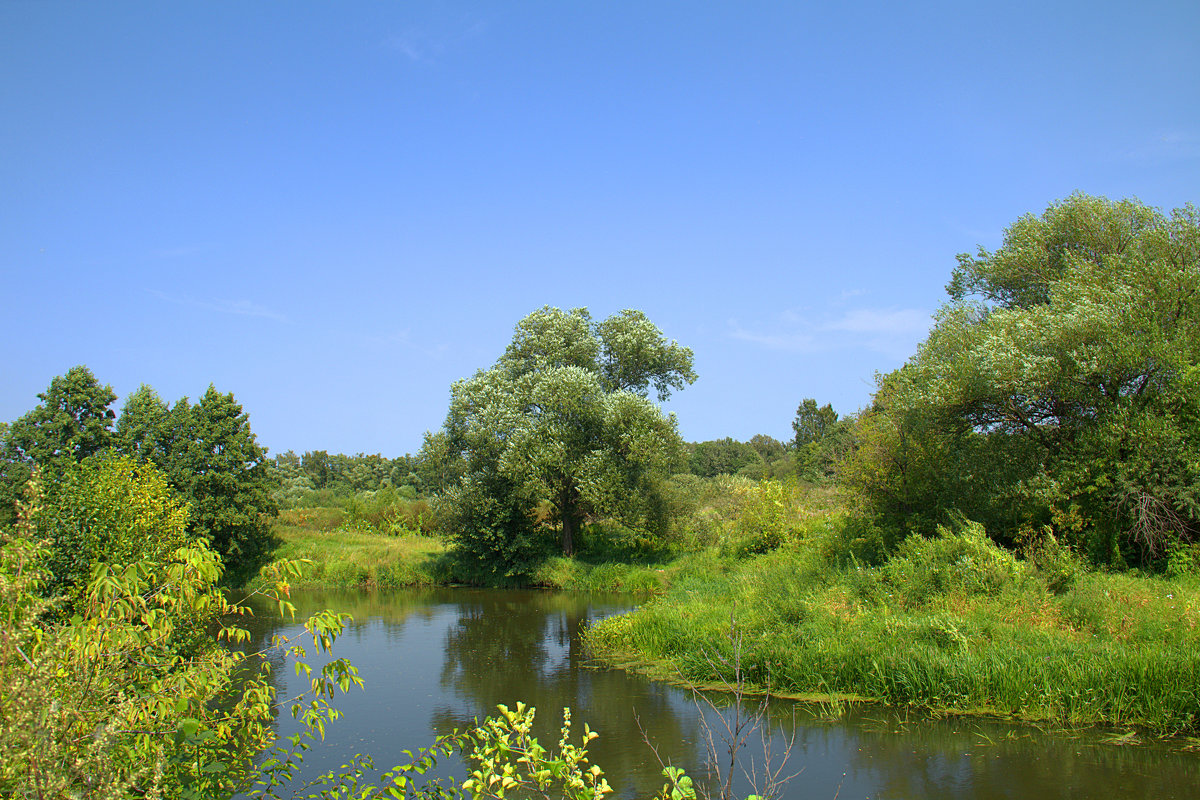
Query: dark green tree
x,y
73,421
144,428
770,448
811,422
721,457
213,460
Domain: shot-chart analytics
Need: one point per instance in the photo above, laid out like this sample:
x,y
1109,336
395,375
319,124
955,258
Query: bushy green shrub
x,y
768,514
853,540
388,511
1182,559
107,509
963,561
1055,563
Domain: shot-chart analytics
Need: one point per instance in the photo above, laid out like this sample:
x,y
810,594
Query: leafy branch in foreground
x,y
124,698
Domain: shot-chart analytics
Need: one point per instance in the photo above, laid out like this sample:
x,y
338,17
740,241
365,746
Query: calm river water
x,y
435,660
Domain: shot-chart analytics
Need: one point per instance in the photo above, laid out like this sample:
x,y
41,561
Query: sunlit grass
x,y
952,624
350,558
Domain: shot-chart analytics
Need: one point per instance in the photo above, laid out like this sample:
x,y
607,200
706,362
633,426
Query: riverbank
x,y
950,624
342,557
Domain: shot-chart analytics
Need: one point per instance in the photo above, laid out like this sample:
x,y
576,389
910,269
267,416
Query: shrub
x,y
107,509
1058,565
964,561
767,517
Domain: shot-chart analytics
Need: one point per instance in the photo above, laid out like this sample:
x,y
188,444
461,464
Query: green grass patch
x,y
951,623
342,558
574,575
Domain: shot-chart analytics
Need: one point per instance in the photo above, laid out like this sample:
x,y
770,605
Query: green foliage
x,y
1183,559
207,452
107,509
812,423
389,512
1065,397
770,448
491,528
1058,565
561,418
72,422
504,758
130,697
952,622
963,562
316,476
767,518
212,458
721,457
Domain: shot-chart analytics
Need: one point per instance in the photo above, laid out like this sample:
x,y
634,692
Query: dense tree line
x,y
204,451
318,474
822,439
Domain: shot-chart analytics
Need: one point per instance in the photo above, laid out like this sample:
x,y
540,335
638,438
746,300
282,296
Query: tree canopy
x,y
563,418
1059,391
72,422
212,458
722,457
206,451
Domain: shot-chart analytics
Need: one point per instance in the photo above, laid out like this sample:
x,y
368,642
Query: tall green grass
x,y
346,558
952,623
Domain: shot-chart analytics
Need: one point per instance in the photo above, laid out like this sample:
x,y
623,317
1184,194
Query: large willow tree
x,y
563,417
1059,390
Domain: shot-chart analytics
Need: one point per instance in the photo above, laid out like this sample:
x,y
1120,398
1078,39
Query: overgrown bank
x,y
338,555
950,623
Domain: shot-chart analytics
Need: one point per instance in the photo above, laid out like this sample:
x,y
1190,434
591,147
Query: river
x,y
437,659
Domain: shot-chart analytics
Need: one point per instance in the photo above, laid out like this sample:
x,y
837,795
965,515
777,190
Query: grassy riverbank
x,y
953,624
345,557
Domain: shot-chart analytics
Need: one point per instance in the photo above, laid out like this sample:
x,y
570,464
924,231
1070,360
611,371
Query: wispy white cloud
x,y
420,45
894,332
901,322
794,341
1166,145
402,339
243,308
411,44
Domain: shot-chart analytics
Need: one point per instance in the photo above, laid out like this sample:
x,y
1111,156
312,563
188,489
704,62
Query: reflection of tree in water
x,y
501,647
971,758
266,623
525,646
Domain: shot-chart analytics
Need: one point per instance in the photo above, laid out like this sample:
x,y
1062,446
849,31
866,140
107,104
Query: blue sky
x,y
335,210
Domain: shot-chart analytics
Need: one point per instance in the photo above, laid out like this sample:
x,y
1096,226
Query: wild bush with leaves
x,y
124,699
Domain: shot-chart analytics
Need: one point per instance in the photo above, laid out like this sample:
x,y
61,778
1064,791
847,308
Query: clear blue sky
x,y
335,210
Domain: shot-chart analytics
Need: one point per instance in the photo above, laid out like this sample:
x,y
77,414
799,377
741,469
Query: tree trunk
x,y
568,510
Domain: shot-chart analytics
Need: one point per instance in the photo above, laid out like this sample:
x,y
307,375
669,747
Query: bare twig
x,y
737,724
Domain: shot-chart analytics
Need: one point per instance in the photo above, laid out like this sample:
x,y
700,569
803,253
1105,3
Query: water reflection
x,y
435,660
509,646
